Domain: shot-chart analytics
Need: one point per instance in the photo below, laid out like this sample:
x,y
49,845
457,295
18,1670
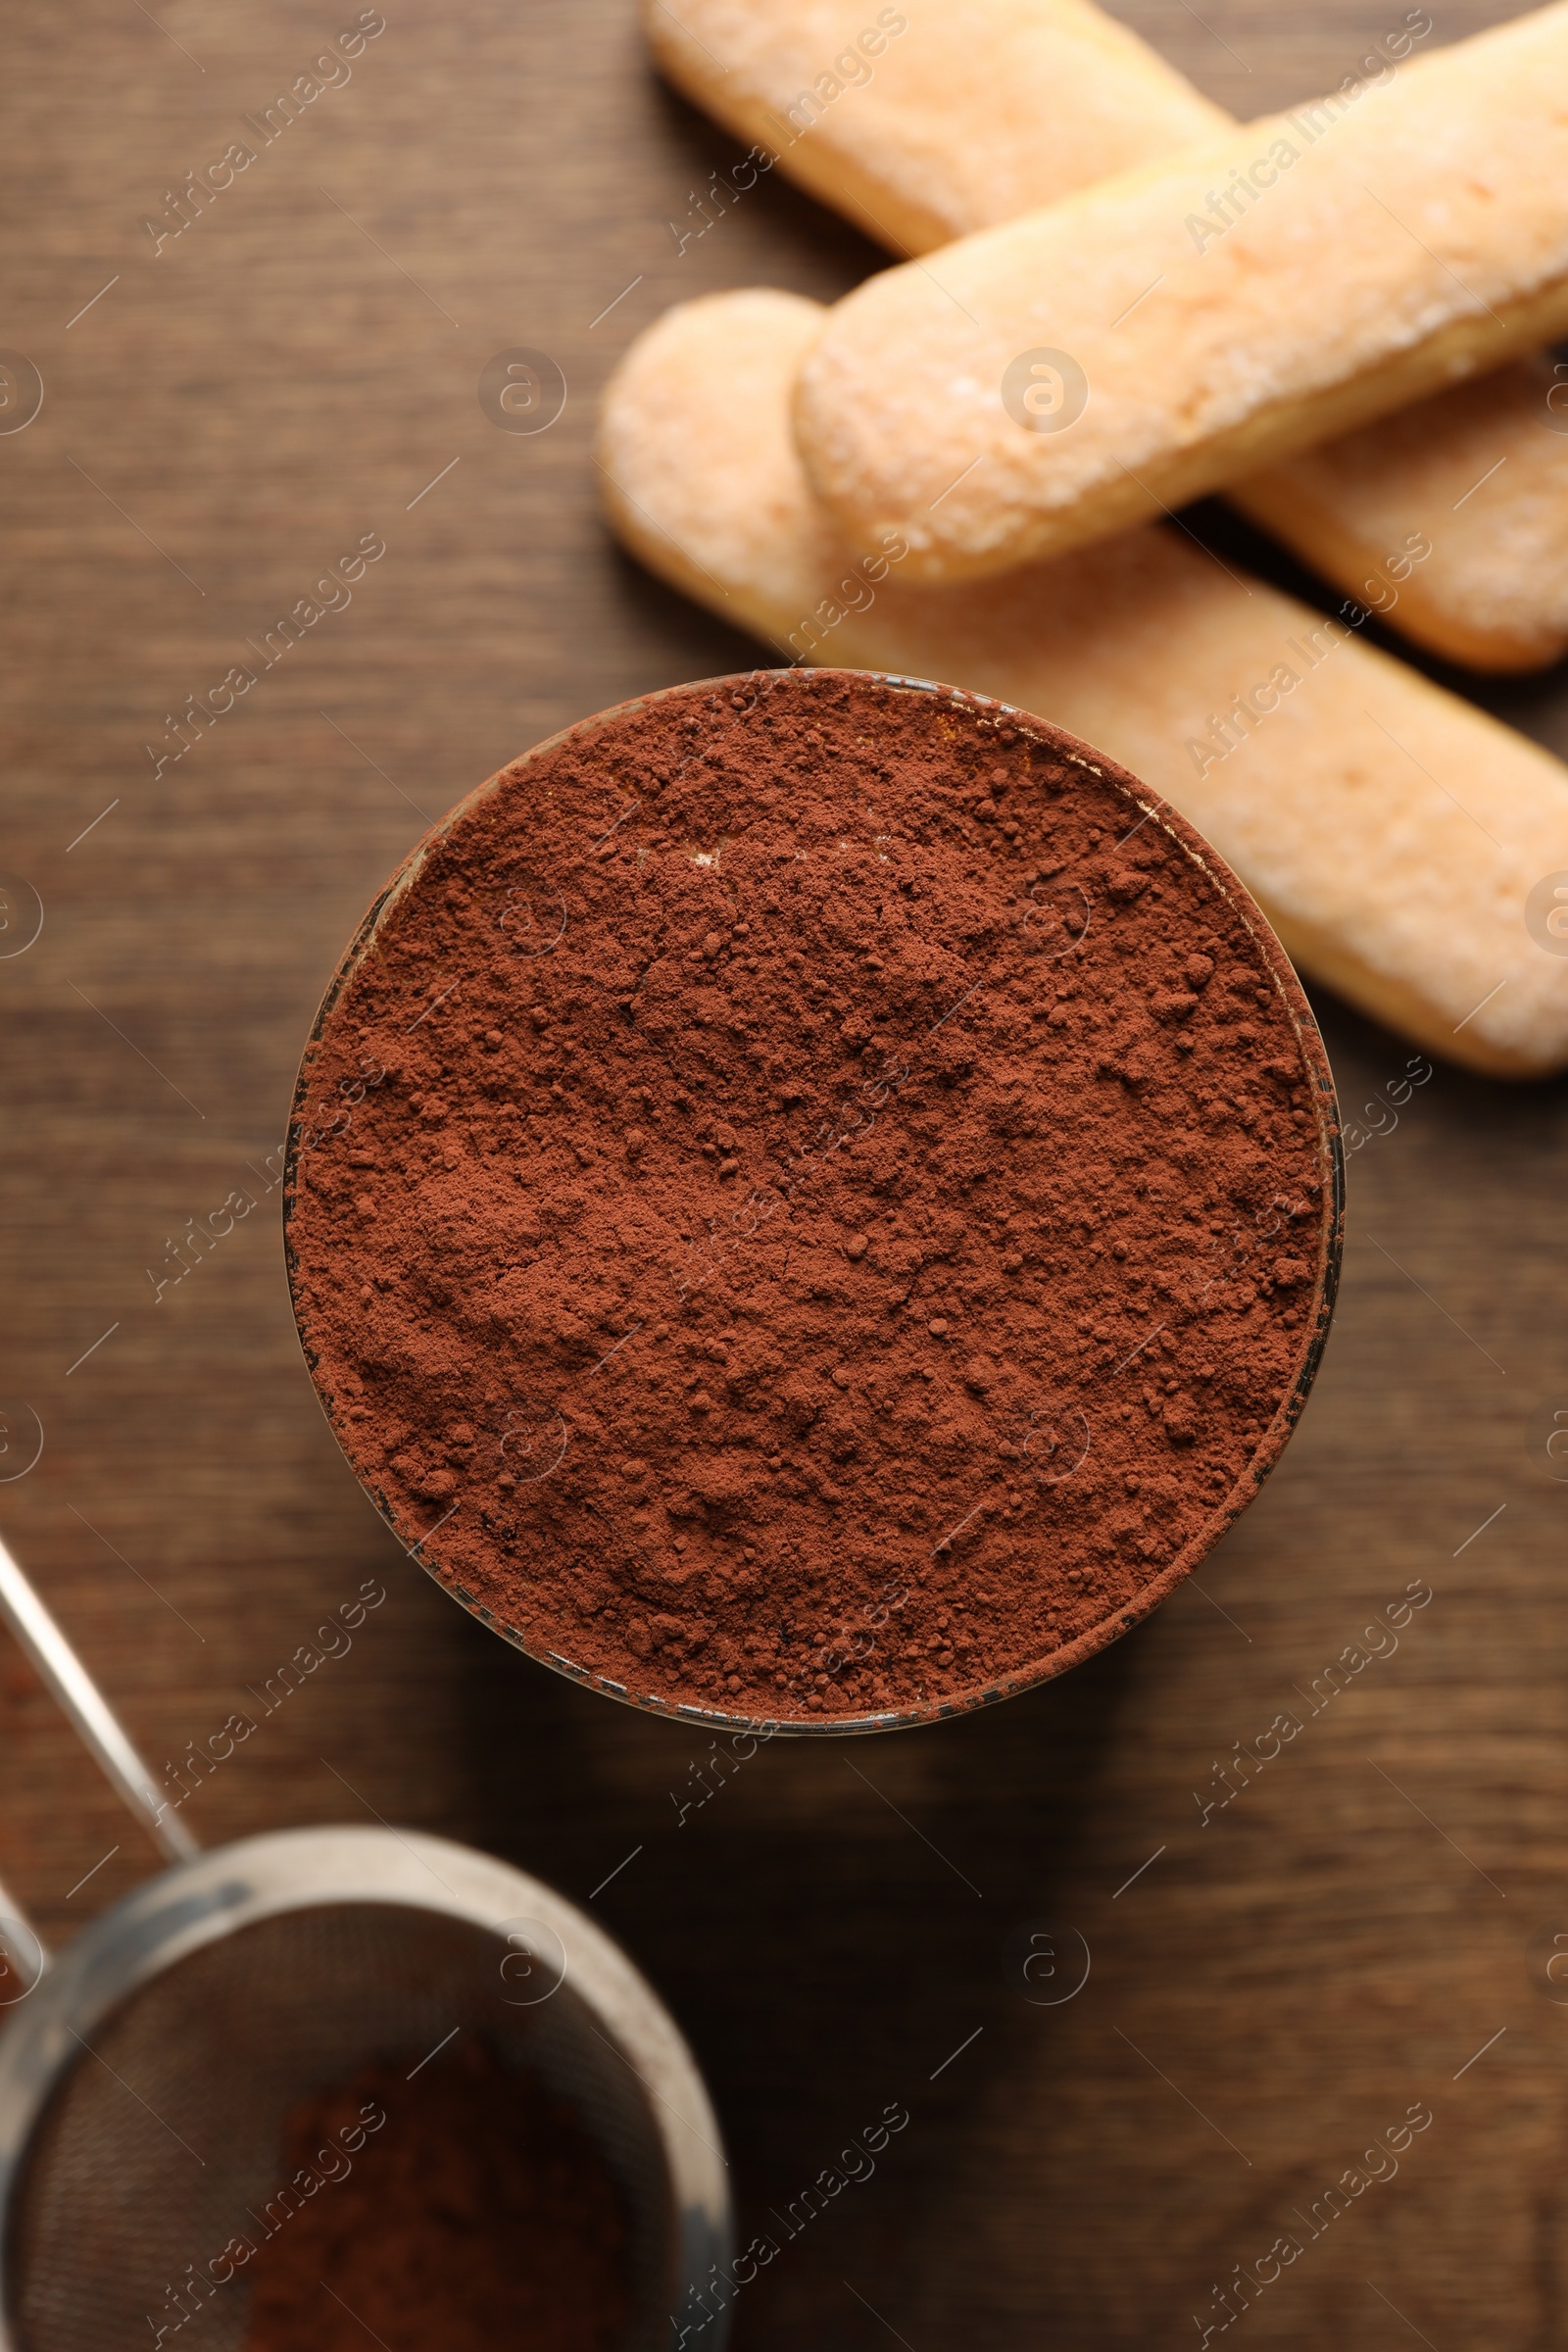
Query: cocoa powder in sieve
x,y
478,2214
812,1199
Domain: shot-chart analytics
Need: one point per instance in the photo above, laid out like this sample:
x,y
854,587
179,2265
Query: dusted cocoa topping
x,y
812,1199
474,2212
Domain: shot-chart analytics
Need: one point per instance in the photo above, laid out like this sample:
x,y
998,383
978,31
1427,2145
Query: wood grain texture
x,y
1274,1989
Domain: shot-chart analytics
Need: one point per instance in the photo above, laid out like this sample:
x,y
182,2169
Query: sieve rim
x,y
1328,1239
195,1904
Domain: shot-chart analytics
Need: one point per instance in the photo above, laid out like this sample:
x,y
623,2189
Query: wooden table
x,y
222,418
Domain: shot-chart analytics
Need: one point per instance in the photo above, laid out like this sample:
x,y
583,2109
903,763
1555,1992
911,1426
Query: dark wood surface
x,y
1280,1985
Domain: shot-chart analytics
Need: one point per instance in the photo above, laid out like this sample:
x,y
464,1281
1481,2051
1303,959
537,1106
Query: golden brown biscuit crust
x,y
1294,280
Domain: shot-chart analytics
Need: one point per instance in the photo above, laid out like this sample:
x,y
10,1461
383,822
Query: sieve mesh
x,y
162,2142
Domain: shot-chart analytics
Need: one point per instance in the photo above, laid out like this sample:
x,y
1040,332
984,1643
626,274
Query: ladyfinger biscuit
x,y
1044,383
1473,484
927,123
971,116
1393,833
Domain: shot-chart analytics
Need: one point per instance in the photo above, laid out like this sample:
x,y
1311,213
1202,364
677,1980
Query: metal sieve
x,y
146,2072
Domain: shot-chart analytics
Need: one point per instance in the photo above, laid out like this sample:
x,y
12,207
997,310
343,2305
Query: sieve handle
x,y
84,1703
15,1930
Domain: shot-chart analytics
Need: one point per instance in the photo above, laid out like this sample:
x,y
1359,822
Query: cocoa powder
x,y
478,2214
813,1197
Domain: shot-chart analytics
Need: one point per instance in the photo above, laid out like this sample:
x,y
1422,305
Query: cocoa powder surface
x,y
480,2214
810,1201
